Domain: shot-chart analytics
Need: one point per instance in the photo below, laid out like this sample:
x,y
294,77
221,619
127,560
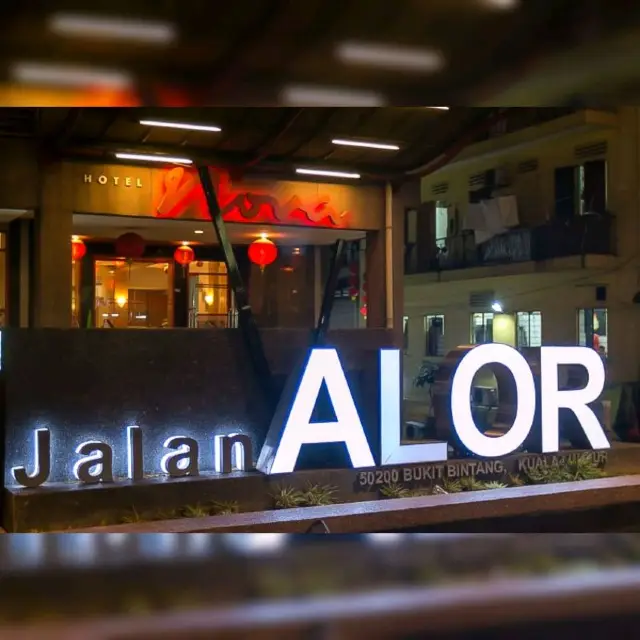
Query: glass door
x,y
133,295
211,303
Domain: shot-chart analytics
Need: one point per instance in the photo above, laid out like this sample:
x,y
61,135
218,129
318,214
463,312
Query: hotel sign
x,y
292,426
175,193
116,181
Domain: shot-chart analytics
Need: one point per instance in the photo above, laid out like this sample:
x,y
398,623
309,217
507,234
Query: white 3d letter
x,y
470,436
391,451
574,399
323,364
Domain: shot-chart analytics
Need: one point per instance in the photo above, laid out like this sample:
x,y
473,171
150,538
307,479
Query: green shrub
x,y
287,498
317,495
394,490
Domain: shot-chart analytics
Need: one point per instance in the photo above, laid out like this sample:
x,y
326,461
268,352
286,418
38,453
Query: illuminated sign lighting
x,y
330,174
292,426
116,181
152,158
323,366
281,452
179,125
367,145
95,466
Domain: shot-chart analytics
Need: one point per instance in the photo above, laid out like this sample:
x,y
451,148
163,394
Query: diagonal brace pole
x,y
324,319
246,321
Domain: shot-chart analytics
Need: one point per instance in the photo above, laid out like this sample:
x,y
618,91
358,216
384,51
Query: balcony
x,y
584,235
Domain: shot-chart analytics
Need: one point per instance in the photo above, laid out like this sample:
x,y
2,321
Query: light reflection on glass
x,y
256,542
77,548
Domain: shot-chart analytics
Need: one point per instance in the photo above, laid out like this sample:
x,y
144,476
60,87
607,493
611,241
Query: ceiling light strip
x,y
69,75
367,145
328,174
391,57
318,96
112,28
179,125
153,158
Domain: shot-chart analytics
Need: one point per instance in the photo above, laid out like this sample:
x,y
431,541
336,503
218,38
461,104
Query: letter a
x,y
282,448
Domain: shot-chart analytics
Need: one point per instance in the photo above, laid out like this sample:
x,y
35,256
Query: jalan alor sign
x,y
286,437
292,427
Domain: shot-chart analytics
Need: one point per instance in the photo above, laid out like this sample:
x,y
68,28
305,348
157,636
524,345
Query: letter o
x,y
102,179
463,423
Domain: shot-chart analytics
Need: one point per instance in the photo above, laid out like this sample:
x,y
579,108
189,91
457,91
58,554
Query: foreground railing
x,y
291,587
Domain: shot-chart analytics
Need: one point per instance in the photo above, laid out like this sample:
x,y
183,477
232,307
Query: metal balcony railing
x,y
591,234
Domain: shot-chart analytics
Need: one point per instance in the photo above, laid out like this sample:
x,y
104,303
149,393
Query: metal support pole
x,y
246,321
328,297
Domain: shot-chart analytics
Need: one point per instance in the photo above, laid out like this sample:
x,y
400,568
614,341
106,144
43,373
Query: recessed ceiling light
x,y
63,75
151,158
384,56
368,145
438,108
198,231
329,174
501,4
112,28
179,125
315,96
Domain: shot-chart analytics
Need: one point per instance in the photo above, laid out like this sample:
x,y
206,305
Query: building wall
x,y
556,288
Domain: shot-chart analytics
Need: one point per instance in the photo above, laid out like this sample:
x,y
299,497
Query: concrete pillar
x,y
19,260
52,251
385,269
376,281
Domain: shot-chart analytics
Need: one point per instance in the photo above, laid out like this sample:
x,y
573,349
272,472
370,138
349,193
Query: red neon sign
x,y
181,190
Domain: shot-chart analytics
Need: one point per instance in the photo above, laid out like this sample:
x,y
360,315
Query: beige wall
x,y
557,288
551,144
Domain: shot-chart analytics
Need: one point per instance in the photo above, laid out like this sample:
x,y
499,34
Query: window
x,y
481,328
528,329
133,295
593,329
434,335
581,189
442,225
210,299
405,332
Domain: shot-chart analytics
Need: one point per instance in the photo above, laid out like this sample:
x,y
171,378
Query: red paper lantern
x,y
262,252
130,246
78,249
184,255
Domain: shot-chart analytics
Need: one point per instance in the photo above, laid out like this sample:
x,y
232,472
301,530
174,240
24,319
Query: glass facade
x,y
135,294
156,292
211,302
